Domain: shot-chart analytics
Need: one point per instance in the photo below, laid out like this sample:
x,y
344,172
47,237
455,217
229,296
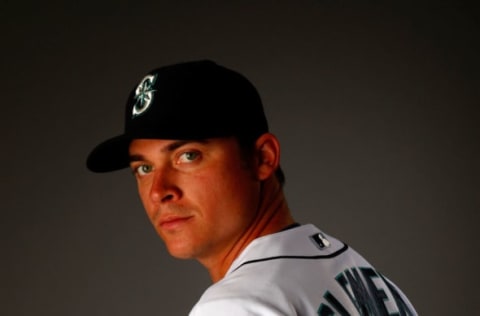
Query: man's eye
x,y
188,156
143,169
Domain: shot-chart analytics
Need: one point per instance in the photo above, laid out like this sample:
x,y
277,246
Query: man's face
x,y
199,195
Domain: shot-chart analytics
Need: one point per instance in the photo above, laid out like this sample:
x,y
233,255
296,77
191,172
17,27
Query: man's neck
x,y
273,216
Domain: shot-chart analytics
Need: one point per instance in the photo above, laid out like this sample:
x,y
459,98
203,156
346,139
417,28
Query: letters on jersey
x,y
370,293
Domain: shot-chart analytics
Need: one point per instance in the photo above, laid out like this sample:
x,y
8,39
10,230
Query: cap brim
x,y
110,155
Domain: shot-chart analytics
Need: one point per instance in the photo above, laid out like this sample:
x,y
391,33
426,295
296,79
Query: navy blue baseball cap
x,y
184,101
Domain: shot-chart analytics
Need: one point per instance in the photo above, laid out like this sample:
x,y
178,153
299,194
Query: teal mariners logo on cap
x,y
143,95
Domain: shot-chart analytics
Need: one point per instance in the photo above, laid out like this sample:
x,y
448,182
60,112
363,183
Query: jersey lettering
x,y
368,291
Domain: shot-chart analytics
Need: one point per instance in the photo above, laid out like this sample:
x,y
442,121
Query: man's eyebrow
x,y
173,146
169,148
133,158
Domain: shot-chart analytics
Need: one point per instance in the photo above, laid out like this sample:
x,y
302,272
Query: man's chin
x,y
180,252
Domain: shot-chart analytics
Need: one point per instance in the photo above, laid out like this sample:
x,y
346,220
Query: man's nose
x,y
164,186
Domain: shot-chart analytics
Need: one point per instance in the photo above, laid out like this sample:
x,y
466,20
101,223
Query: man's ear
x,y
267,149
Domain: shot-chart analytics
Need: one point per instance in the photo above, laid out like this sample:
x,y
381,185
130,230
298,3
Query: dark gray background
x,y
376,106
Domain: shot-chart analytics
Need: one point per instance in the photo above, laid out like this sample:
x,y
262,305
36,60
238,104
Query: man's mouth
x,y
173,222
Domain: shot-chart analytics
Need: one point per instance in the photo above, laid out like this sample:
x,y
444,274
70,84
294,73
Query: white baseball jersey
x,y
301,271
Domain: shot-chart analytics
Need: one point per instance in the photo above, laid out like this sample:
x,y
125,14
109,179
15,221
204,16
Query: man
x,y
208,175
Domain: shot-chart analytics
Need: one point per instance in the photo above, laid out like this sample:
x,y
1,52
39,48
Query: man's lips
x,y
173,222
